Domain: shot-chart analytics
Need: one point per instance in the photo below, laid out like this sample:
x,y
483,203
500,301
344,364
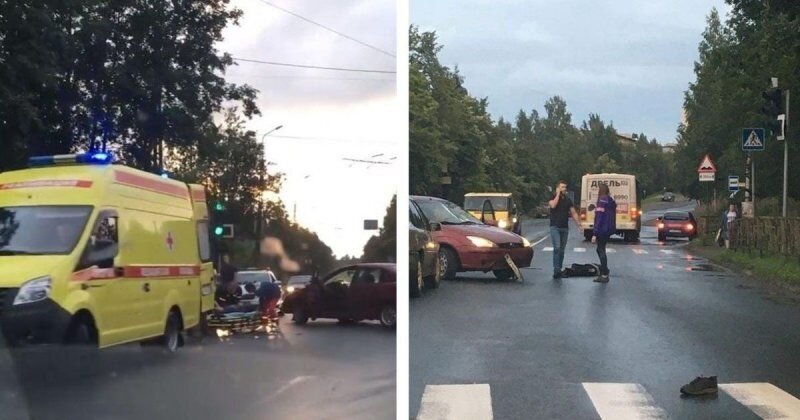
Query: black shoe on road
x,y
700,386
556,275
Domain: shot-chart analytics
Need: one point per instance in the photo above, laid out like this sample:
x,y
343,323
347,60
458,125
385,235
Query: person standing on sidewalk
x,y
605,225
561,207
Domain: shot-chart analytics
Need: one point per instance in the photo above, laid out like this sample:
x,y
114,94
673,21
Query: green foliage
x,y
737,59
452,133
383,247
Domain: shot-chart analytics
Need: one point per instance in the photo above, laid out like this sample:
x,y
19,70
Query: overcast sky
x,y
326,115
628,61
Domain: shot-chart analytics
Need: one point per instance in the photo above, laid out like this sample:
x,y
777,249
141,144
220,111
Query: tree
x,y
383,247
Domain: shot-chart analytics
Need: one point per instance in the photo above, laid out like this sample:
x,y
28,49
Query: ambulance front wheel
x,y
172,338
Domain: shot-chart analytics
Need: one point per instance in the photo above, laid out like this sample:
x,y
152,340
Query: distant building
x,y
626,139
669,147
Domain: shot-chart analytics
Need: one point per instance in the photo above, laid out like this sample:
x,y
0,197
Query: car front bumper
x,y
38,322
487,259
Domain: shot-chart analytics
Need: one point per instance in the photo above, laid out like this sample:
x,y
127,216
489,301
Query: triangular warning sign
x,y
707,165
753,140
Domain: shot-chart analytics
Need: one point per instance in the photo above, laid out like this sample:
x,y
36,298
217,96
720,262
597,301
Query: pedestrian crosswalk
x,y
637,251
610,401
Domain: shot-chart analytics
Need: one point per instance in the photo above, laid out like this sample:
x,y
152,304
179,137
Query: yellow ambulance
x,y
93,252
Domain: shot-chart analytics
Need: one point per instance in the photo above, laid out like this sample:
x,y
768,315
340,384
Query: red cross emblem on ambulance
x,y
169,241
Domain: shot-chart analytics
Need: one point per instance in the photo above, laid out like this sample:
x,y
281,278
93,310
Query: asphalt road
x,y
574,349
320,371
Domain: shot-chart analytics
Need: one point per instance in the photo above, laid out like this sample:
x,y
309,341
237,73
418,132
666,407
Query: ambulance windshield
x,y
41,230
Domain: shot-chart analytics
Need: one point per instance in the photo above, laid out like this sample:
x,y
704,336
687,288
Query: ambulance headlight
x,y
34,291
502,224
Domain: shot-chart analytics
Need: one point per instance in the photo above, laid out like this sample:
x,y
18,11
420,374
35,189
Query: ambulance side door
x,y
206,268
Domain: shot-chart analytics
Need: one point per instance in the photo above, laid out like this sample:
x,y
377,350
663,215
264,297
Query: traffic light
x,y
223,231
773,109
219,206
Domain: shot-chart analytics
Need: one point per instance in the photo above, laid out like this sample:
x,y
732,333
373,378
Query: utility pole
x,y
261,172
785,153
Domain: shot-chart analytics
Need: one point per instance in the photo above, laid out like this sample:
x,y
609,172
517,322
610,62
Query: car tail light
x,y
689,226
661,226
633,212
583,214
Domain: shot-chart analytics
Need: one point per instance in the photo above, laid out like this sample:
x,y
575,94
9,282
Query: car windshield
x,y
446,212
252,276
41,230
476,203
676,216
300,279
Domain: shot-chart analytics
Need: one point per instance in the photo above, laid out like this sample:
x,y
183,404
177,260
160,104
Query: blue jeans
x,y
558,236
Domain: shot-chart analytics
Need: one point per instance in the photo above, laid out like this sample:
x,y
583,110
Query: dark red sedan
x,y
467,244
676,224
353,293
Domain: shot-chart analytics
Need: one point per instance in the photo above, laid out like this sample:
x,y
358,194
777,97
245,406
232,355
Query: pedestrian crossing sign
x,y
753,139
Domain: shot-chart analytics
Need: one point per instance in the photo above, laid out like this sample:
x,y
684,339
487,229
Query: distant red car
x,y
353,293
680,224
467,244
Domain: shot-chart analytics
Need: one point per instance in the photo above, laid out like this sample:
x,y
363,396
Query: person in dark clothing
x,y
605,225
561,208
227,270
269,293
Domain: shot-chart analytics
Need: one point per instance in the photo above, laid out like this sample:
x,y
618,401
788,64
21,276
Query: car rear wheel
x,y
417,283
505,274
448,263
389,316
299,315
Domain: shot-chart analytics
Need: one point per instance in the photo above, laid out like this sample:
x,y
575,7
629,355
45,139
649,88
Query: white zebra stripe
x,y
456,402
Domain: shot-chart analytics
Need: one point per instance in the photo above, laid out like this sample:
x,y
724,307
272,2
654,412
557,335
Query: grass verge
x,y
767,267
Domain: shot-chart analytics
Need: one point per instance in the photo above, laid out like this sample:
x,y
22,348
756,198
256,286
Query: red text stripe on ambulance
x,y
155,185
74,183
137,271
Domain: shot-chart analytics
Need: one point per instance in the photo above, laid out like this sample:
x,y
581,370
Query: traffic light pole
x,y
786,154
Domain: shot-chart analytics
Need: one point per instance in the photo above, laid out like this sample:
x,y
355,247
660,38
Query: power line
x,y
330,139
382,51
308,77
304,66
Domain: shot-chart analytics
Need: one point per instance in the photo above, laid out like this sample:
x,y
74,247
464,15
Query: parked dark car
x,y
353,293
668,196
677,224
423,251
467,244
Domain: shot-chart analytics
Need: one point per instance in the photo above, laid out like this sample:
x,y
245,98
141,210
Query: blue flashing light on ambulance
x,y
103,254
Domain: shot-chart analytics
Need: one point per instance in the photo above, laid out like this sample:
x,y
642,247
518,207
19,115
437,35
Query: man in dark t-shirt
x,y
561,208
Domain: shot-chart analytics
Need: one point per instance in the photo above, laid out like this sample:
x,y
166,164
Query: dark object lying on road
x,y
700,386
581,270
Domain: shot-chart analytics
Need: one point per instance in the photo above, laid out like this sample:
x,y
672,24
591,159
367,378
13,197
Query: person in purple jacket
x,y
605,225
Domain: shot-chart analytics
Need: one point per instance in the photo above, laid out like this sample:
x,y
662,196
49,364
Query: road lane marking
x,y
539,241
579,249
548,249
667,251
456,402
764,399
611,250
639,251
623,401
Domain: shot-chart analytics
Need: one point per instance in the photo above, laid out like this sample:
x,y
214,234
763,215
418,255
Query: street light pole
x,y
261,171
